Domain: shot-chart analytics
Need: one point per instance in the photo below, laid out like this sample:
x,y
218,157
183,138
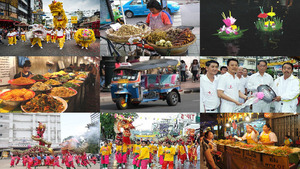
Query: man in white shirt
x,y
287,90
257,79
60,37
242,84
223,70
228,88
208,88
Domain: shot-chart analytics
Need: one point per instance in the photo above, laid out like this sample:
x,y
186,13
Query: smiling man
x,y
287,90
208,88
228,88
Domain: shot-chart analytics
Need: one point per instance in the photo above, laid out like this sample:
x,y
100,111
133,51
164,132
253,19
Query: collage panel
x,y
249,140
149,84
43,140
49,27
258,84
149,140
49,84
249,28
150,28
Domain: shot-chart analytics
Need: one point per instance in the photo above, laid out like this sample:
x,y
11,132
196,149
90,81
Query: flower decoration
x,y
267,22
230,30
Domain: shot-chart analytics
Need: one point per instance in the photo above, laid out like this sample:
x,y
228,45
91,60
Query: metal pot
x,y
269,93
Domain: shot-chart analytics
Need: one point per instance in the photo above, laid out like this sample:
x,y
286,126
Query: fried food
x,y
43,103
22,80
18,95
62,92
52,82
39,86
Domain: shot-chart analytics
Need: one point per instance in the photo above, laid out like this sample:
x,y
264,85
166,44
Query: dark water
x,y
281,43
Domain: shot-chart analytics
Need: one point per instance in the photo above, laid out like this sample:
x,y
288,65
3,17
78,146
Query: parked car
x,y
139,8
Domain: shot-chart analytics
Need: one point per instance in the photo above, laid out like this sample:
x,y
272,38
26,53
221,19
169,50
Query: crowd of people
x,y
233,87
38,160
145,154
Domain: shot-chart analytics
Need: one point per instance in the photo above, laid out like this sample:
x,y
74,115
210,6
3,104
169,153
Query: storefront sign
x,y
74,19
4,70
275,162
252,156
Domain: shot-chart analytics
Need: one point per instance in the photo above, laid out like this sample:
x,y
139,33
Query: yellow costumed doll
x,y
85,37
60,19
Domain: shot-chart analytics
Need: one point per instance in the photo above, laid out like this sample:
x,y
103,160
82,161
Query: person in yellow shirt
x,y
155,151
169,153
144,155
110,146
189,147
175,145
136,154
181,153
151,153
105,152
119,150
160,154
124,154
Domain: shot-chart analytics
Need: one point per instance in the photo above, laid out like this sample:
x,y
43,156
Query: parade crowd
x,y
144,153
38,160
233,87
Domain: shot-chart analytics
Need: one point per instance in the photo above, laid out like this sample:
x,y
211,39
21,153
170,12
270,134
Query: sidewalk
x,y
186,87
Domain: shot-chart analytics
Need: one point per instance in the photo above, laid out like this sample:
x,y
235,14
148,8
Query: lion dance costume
x,y
59,17
85,37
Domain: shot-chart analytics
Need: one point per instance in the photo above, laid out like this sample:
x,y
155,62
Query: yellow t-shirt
x,y
189,148
154,147
125,148
151,148
119,148
137,148
105,150
144,153
169,154
181,149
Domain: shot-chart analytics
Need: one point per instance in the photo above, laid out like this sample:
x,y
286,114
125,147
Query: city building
x,y
24,11
16,129
37,11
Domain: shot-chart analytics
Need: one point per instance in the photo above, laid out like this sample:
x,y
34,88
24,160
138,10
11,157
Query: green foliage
x,y
107,121
224,36
260,25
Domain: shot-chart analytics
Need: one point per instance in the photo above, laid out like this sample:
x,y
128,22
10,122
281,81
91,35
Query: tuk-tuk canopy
x,y
150,64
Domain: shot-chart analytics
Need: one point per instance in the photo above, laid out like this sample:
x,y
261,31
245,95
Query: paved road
x,y
5,164
113,164
189,103
49,49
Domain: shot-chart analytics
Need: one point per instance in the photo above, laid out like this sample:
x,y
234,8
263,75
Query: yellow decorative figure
x,y
85,37
60,19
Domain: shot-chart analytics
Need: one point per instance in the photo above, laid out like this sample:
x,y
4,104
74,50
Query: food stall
x,y
51,92
171,42
234,154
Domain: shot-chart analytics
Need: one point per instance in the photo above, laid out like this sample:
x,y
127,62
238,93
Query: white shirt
x,y
242,84
48,32
23,33
60,33
253,136
230,86
209,93
256,80
9,34
288,90
272,136
201,101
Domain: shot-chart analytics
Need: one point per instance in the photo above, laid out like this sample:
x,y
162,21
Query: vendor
x,y
251,135
25,71
267,137
158,18
287,141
